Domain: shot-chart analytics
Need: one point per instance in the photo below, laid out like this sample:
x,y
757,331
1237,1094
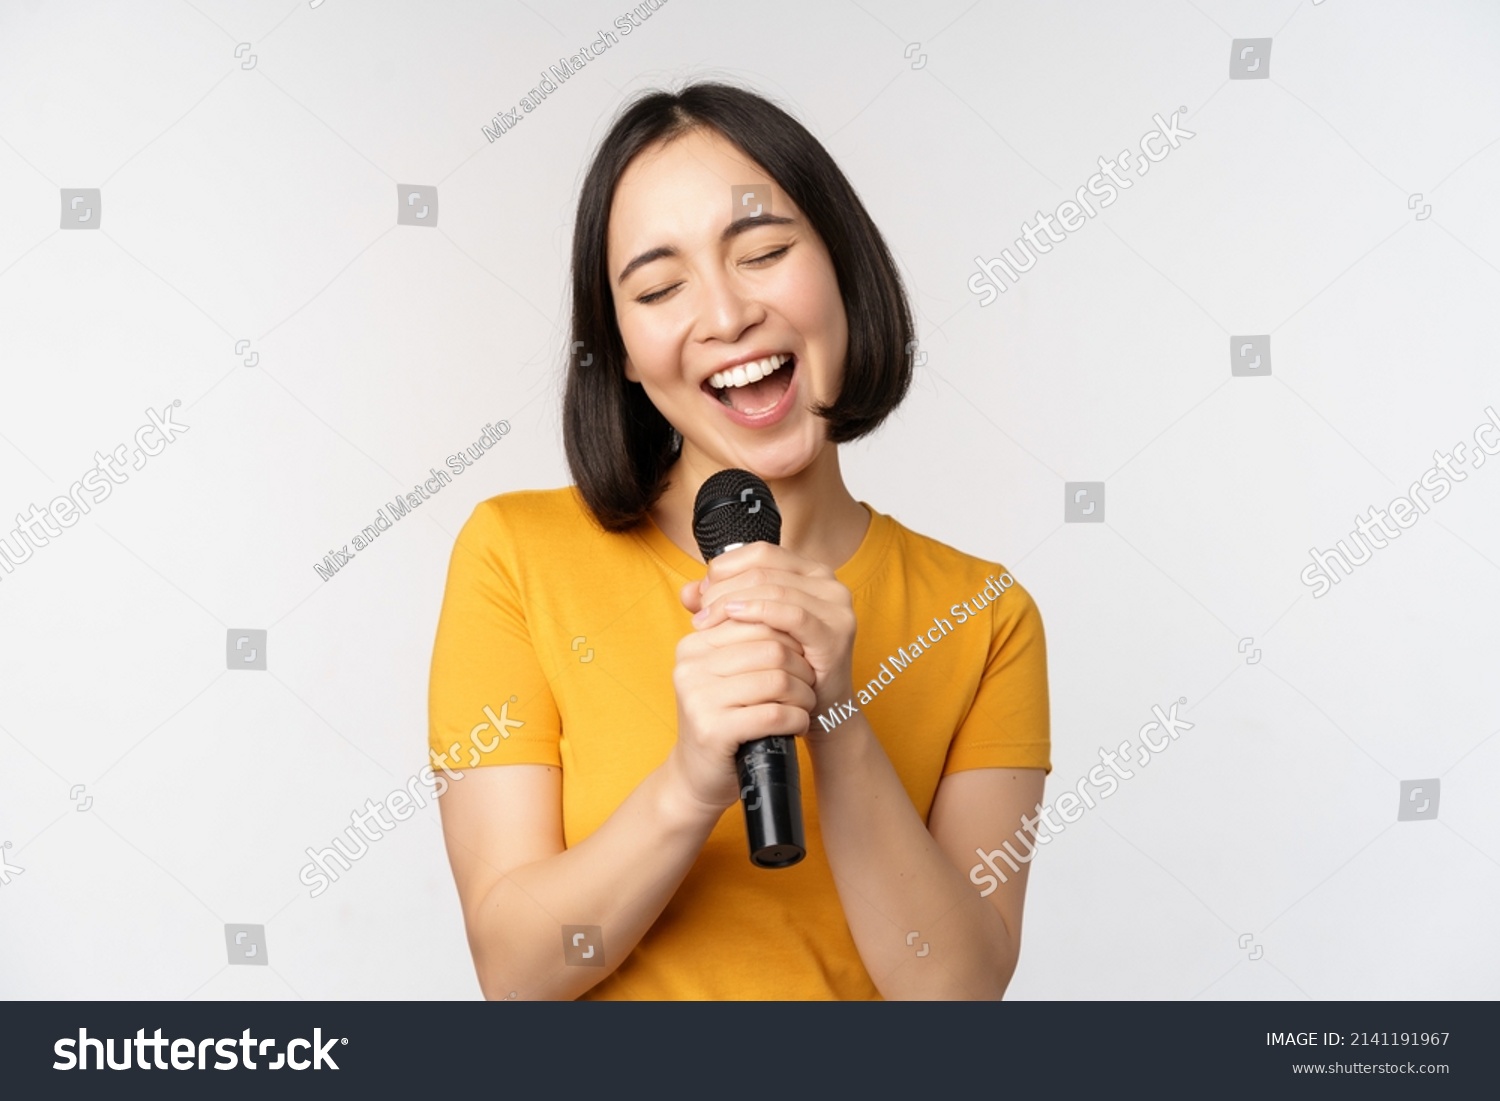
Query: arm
x,y
502,815
894,877
900,886
519,886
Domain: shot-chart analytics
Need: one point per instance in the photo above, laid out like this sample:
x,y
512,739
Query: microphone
x,y
733,508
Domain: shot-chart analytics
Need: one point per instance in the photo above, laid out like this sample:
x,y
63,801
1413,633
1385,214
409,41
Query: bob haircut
x,y
619,446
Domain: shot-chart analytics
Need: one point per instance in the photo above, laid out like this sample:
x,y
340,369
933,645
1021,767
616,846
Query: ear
x,y
630,372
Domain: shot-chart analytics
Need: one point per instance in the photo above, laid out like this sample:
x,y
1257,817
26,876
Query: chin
x,y
776,465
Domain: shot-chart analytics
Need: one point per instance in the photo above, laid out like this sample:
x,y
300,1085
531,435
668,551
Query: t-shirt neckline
x,y
853,573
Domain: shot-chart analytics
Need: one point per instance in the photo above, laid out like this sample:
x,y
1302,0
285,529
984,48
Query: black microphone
x,y
735,507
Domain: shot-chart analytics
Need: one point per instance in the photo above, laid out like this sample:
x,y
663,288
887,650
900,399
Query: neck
x,y
820,519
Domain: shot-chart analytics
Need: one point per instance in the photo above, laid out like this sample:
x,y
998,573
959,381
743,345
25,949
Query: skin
x,y
682,317
773,623
720,300
773,644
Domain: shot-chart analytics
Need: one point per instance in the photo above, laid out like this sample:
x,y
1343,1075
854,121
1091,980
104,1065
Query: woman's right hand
x,y
735,682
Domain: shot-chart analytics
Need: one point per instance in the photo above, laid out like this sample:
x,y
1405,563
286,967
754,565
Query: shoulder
x,y
498,524
532,507
933,571
527,513
533,530
921,549
934,561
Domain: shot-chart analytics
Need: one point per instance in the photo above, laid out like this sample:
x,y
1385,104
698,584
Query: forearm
x,y
619,878
893,879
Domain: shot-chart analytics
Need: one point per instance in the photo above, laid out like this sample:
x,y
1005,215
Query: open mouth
x,y
753,388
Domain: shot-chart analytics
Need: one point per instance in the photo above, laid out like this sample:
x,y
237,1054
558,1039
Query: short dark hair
x,y
619,446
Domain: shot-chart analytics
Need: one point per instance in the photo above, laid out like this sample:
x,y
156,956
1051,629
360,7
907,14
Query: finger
x,y
722,707
759,576
765,720
768,555
729,632
765,686
814,612
759,656
793,619
769,591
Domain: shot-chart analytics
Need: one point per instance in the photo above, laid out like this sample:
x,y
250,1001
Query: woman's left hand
x,y
769,584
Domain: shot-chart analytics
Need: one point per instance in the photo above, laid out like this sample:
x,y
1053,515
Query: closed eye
x,y
770,255
648,298
658,295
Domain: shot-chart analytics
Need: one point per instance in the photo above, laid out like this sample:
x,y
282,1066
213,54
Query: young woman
x,y
733,306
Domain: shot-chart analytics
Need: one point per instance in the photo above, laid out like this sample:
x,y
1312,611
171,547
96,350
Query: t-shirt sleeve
x,y
1009,723
489,702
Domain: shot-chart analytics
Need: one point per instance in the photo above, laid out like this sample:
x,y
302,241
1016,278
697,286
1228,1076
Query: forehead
x,y
681,191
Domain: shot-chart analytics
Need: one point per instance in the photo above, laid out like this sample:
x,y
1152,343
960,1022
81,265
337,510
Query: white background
x,y
259,204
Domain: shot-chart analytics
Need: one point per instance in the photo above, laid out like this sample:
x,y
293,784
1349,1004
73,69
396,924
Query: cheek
x,y
636,334
653,351
811,300
658,335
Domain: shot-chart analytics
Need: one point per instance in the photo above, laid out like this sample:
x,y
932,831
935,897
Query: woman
x,y
733,306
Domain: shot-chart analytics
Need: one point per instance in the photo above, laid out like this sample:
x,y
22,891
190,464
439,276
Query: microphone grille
x,y
734,506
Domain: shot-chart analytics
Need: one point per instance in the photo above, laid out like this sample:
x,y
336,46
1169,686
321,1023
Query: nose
x,y
728,307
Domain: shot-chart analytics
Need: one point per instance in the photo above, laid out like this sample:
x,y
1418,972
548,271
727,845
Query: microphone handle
x,y
771,791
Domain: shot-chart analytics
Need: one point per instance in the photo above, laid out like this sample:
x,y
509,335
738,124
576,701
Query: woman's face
x,y
709,287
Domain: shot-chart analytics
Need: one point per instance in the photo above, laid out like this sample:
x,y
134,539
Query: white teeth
x,y
747,373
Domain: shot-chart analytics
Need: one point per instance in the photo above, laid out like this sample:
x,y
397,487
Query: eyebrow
x,y
732,230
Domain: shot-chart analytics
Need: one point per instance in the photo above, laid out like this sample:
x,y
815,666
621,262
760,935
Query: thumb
x,y
692,598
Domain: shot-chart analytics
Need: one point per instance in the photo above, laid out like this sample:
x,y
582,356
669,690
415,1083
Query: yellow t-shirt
x,y
567,634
